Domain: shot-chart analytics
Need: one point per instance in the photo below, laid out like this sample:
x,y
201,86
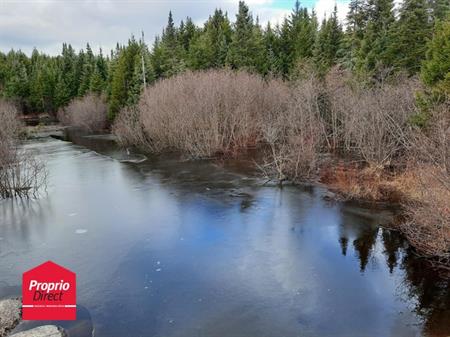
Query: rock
x,y
329,196
42,331
10,314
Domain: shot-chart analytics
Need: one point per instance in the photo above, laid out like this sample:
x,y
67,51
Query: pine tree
x,y
209,48
410,37
439,9
436,67
373,55
357,18
168,52
122,78
328,42
271,46
245,48
17,85
303,33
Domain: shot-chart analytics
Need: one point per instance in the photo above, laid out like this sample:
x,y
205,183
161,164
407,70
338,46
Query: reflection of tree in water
x,y
364,244
392,242
343,241
432,293
422,285
362,230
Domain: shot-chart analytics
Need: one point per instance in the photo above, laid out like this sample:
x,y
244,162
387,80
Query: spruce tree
x,y
245,47
436,68
209,48
328,43
411,34
374,53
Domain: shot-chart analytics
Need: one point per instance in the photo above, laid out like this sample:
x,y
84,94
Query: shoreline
x,y
338,186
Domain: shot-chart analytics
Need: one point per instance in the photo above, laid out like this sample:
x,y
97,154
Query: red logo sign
x,y
49,293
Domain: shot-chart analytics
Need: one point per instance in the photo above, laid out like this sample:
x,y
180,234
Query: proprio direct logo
x,y
49,293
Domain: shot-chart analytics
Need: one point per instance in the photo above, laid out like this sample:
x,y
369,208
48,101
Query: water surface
x,y
177,248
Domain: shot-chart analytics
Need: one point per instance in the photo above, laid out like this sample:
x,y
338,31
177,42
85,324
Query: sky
x,y
46,24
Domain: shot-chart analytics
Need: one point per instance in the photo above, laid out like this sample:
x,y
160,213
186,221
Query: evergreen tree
x,y
122,78
209,48
410,37
328,42
439,9
303,33
246,47
168,52
87,71
357,18
271,43
436,67
373,54
17,86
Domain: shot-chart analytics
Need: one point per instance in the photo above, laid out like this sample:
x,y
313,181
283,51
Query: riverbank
x,y
375,143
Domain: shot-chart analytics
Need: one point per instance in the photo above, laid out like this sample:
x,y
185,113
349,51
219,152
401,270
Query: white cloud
x,y
326,7
46,24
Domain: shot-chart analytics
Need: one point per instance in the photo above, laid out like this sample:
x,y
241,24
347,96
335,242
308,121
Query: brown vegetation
x,y
358,140
203,113
88,112
21,174
428,205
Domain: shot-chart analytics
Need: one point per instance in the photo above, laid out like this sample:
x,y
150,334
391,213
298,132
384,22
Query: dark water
x,y
175,248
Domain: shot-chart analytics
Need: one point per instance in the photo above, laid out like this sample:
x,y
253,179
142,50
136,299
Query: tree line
x,y
376,41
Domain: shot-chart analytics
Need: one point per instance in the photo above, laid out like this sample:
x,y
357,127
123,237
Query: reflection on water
x,y
176,248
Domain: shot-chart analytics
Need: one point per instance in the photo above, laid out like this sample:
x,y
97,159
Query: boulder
x,y
10,315
42,331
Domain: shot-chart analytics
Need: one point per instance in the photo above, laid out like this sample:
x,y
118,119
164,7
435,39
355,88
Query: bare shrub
x,y
202,113
296,134
371,122
9,130
88,112
129,129
21,174
428,206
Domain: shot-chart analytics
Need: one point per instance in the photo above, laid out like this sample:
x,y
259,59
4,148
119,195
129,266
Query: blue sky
x,y
46,24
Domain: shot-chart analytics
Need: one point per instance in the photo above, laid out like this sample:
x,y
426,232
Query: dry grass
x,y
88,112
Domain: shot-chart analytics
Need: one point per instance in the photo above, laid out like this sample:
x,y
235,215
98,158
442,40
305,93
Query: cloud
x,y
325,8
46,24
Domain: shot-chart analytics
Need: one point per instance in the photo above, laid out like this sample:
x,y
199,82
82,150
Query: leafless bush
x,y
9,129
88,112
296,134
129,129
371,122
21,174
428,207
201,113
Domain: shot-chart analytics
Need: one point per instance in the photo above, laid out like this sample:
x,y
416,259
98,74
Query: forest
x,y
375,42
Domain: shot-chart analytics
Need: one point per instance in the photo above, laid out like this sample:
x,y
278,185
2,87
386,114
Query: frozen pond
x,y
168,248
